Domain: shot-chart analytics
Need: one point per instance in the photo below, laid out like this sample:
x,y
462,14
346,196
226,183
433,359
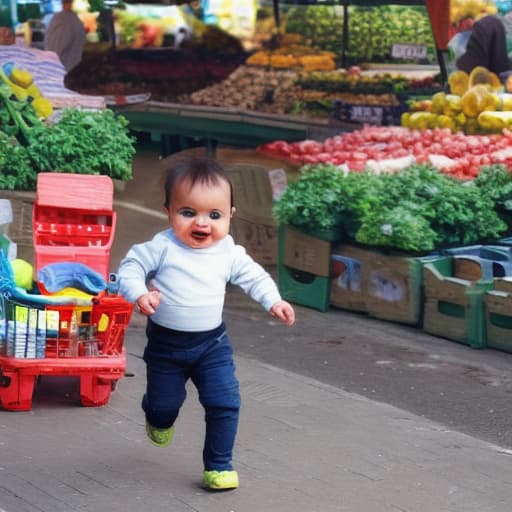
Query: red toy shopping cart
x,y
64,335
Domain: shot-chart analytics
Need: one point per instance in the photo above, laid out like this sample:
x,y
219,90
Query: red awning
x,y
439,13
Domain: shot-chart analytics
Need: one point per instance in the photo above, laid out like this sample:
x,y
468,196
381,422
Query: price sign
x,y
409,51
366,114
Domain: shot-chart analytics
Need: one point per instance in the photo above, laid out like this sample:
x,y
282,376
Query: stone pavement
x,y
302,445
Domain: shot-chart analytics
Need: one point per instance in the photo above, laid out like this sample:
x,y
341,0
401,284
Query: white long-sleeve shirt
x,y
192,282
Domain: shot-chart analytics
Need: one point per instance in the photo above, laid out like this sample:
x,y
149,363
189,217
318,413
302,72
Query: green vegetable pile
x,y
416,210
80,142
372,31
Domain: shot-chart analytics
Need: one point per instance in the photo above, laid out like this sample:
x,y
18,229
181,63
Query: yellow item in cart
x,y
21,77
458,82
495,121
477,99
23,273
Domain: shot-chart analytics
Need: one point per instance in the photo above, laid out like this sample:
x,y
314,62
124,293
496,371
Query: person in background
x,y
178,280
65,36
487,46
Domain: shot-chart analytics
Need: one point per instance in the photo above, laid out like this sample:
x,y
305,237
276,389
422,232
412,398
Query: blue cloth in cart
x,y
56,276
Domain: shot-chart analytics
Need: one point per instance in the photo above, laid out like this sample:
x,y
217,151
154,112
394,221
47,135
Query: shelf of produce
x,y
240,128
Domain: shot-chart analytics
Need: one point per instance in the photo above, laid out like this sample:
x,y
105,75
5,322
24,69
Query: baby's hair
x,y
195,169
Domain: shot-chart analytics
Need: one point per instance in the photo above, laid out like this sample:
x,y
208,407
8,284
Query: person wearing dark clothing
x,y
487,46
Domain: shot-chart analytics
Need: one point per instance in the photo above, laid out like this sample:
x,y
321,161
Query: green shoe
x,y
161,437
220,480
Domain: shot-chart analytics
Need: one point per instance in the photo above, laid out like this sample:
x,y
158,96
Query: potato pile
x,y
251,88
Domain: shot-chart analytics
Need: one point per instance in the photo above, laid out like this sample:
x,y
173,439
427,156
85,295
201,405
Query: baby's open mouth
x,y
200,235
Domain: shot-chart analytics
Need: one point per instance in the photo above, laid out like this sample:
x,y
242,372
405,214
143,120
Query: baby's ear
x,y
165,209
233,211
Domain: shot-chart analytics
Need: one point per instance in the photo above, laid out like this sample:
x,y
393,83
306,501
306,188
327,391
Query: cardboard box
x,y
454,306
258,180
259,240
349,265
498,319
386,286
305,252
304,268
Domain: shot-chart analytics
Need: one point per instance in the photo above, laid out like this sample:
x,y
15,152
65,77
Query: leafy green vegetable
x,y
399,227
418,209
313,201
16,172
495,182
84,142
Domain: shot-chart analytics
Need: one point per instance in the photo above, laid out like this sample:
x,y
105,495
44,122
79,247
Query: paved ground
x,y
303,445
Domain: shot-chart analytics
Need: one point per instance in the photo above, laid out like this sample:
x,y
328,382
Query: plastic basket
x,y
35,330
41,335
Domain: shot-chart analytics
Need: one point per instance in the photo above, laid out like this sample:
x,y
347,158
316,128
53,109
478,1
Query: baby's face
x,y
200,215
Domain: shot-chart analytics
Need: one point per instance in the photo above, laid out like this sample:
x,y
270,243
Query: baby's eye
x,y
215,215
187,212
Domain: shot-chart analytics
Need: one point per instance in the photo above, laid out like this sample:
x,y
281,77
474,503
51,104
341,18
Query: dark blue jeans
x,y
174,357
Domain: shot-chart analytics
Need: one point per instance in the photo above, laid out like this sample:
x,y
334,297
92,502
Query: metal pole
x,y
345,35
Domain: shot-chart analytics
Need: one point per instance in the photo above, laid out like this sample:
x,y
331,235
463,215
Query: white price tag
x,y
278,183
366,114
409,51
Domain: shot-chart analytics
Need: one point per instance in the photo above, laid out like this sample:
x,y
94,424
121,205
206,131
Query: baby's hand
x,y
148,302
284,311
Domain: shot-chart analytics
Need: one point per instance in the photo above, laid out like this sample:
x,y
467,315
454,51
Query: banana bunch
x,y
22,85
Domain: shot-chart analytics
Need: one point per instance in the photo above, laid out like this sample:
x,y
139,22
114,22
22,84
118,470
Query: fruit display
x,y
463,12
357,81
285,58
476,103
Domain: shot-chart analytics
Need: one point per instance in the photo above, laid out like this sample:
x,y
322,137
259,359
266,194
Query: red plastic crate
x,y
73,220
39,340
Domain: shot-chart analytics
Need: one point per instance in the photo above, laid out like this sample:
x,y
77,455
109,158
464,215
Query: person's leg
x,y
214,377
165,387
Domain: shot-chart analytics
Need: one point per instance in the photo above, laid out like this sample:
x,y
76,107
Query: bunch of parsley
x,y
84,142
16,172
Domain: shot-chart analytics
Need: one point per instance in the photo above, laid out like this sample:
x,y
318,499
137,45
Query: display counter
x,y
212,126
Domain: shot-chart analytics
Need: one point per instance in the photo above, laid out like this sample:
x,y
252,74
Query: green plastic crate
x,y
454,307
304,288
297,283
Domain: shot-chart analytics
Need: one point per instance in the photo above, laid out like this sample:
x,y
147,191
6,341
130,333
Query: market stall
x,y
390,201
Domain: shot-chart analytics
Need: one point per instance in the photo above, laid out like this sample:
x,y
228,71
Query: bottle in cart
x,y
73,337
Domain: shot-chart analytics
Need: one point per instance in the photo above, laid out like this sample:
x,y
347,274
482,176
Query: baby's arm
x,y
284,312
148,302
